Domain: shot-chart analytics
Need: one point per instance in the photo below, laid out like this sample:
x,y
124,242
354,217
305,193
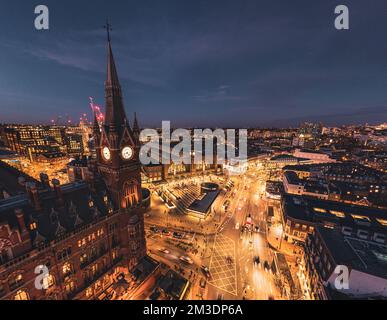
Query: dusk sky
x,y
198,63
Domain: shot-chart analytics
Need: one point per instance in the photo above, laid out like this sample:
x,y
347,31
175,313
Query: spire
x,y
115,113
112,76
95,124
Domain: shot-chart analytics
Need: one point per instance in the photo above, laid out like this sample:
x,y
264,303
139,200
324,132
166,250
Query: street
x,y
232,243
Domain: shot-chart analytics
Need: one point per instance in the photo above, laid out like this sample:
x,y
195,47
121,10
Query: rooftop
x,y
311,209
357,254
204,204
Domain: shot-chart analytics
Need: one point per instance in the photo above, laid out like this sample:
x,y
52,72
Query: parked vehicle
x,y
186,259
163,250
154,229
178,235
206,272
165,232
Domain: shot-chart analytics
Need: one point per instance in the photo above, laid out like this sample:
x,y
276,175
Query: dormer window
x,y
105,199
33,226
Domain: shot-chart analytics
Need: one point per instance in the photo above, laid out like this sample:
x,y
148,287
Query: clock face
x,y
127,153
106,153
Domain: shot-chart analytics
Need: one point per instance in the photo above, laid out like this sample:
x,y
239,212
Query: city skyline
x,y
199,64
102,210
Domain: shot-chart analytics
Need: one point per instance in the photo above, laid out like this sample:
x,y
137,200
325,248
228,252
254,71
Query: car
x,y
165,232
163,250
266,266
257,260
178,235
237,226
186,259
154,229
226,203
206,272
256,229
203,283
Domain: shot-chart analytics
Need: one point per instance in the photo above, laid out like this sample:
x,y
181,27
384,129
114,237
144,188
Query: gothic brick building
x,y
86,232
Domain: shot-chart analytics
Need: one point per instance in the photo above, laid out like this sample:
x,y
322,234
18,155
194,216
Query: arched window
x,y
21,295
130,194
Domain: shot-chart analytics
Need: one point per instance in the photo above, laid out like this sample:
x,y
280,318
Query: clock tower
x,y
117,149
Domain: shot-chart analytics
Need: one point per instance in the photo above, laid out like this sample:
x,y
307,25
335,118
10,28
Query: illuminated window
x,y
94,269
69,287
16,282
21,295
130,195
48,281
357,217
338,214
89,292
115,254
320,210
98,285
66,269
382,222
33,226
83,258
91,203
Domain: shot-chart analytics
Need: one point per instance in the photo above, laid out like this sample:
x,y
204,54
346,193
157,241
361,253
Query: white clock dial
x,y
127,153
106,153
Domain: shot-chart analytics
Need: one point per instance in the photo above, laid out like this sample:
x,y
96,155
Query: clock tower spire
x,y
118,161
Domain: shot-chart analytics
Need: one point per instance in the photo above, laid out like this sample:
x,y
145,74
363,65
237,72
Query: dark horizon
x,y
219,64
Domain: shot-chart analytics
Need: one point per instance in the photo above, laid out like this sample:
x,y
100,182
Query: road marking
x,y
224,274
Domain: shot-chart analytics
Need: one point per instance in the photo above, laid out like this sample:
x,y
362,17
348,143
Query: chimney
x,y
33,195
44,180
58,190
20,218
